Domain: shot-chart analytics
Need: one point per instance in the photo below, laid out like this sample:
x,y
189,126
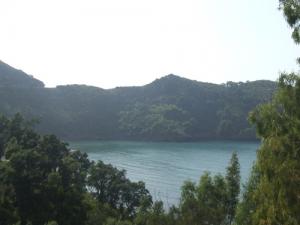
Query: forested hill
x,y
170,108
10,77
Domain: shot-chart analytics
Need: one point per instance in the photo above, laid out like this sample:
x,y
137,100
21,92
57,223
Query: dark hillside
x,y
170,108
11,77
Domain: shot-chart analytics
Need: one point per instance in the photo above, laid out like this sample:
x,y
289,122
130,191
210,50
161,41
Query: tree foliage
x,y
214,200
247,206
110,186
291,10
278,124
233,179
44,182
271,195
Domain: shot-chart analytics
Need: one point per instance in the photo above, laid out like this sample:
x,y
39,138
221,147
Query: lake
x,y
164,166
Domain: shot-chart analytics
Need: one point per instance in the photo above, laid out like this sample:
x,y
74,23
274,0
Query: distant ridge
x,y
11,77
171,108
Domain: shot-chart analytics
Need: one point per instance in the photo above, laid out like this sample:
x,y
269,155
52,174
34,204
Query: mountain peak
x,y
172,76
173,80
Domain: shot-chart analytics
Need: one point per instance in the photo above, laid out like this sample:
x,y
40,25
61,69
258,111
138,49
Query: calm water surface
x,y
165,166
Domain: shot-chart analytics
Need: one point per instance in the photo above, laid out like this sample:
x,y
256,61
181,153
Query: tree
x,y
157,215
110,185
291,10
247,205
8,212
18,128
272,193
214,200
278,124
4,135
204,203
233,186
41,180
44,182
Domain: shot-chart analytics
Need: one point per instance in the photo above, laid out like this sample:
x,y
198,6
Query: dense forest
x,y
170,108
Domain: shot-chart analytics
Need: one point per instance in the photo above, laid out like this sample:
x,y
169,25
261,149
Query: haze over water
x,y
164,166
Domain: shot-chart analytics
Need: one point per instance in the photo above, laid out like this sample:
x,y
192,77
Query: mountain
x,y
171,108
10,77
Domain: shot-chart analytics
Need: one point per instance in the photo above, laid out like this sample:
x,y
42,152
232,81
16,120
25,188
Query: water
x,y
165,166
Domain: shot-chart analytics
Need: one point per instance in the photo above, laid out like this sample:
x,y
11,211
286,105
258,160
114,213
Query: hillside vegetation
x,y
171,108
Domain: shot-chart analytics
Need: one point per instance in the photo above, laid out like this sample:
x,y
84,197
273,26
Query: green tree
x,y
18,128
41,180
271,195
204,203
214,200
233,186
4,134
44,182
278,124
291,10
47,189
8,212
110,185
247,205
114,221
154,215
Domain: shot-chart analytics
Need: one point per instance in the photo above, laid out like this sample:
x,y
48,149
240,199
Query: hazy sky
x,y
110,43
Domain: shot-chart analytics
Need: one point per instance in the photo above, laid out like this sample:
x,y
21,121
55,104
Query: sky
x,y
109,43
